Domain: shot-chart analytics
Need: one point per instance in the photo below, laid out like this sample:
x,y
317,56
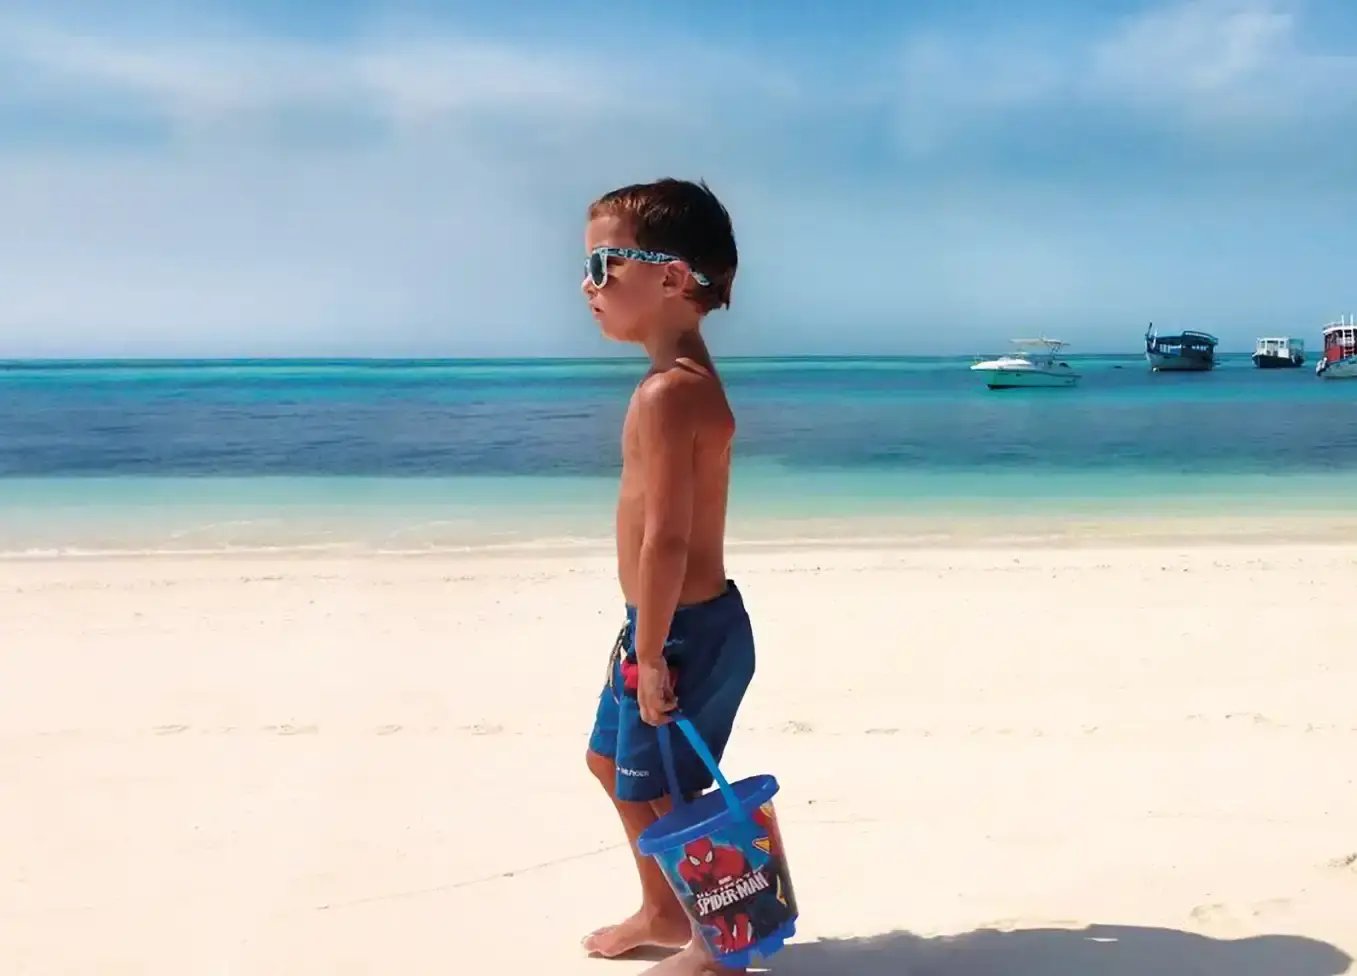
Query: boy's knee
x,y
603,768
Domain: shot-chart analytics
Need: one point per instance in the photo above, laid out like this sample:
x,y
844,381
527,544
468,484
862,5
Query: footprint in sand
x,y
293,729
169,729
1271,908
1211,913
798,728
1257,718
1348,863
388,729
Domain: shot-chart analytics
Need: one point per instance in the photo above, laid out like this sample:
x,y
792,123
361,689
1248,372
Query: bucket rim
x,y
664,835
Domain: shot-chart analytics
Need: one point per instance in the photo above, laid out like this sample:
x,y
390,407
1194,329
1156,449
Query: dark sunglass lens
x,y
598,269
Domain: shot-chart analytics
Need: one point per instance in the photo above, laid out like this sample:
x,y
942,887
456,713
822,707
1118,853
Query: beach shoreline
x,y
767,534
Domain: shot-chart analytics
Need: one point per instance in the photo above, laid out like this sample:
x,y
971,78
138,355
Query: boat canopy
x,y
1039,343
1186,337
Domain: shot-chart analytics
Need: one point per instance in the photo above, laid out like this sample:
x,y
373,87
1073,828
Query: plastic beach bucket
x,y
723,856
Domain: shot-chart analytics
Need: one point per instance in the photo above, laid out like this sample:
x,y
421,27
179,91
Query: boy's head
x,y
659,253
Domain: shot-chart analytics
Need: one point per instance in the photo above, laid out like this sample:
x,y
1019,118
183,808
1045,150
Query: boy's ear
x,y
676,275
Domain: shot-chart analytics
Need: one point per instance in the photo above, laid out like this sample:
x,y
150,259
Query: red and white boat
x,y
1339,359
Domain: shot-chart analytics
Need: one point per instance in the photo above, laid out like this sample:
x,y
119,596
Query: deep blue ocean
x,y
289,450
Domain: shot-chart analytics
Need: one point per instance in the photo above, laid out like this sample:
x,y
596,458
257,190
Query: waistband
x,y
726,602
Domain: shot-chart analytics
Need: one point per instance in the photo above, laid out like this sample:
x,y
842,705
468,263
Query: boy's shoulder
x,y
682,395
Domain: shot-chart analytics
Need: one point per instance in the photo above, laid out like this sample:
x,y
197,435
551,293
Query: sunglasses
x,y
597,263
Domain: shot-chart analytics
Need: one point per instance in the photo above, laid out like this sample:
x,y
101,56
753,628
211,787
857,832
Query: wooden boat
x,y
1188,351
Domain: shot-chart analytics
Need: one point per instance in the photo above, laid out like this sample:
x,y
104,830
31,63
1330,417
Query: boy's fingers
x,y
653,717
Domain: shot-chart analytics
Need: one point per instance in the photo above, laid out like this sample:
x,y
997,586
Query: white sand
x,y
224,766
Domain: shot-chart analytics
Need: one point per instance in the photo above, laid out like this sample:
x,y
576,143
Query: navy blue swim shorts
x,y
710,651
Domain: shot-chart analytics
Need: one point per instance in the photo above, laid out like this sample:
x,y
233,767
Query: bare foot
x,y
692,961
645,928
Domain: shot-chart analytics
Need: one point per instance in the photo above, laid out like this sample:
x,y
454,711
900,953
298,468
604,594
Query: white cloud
x,y
1217,65
249,249
944,85
449,223
197,82
404,80
455,227
1232,63
422,80
1199,48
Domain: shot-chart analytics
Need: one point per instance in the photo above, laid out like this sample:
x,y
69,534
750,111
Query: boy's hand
x,y
655,693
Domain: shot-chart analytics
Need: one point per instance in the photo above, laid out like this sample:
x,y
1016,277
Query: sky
x,y
344,178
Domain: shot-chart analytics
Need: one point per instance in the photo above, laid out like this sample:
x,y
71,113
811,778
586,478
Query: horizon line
x,y
25,361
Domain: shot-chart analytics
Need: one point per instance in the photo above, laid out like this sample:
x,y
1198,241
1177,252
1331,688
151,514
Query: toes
x,y
592,941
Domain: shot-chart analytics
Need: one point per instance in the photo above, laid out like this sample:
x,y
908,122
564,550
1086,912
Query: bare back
x,y
705,572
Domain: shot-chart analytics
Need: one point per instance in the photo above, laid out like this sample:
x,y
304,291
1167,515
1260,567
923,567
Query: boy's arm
x,y
668,435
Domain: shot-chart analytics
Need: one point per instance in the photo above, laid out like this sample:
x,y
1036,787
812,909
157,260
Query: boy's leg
x,y
661,920
710,694
711,701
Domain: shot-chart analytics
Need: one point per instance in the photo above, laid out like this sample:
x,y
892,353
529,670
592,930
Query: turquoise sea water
x,y
412,455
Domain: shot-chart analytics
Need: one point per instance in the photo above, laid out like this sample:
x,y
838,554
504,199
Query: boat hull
x,y
1161,363
1338,369
1277,362
1027,379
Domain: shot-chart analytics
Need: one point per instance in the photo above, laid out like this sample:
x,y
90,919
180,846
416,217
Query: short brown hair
x,y
684,219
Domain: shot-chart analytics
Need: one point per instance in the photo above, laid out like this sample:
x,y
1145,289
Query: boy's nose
x,y
587,286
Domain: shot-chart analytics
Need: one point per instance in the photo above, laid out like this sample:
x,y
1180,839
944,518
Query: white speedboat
x,y
1339,361
1033,364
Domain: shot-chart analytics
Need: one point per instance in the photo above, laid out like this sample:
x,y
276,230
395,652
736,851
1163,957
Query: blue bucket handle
x,y
703,753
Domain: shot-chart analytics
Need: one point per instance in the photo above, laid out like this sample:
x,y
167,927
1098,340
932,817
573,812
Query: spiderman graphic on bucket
x,y
710,870
735,902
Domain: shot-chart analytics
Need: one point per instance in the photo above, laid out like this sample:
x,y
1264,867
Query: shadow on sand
x,y
1099,950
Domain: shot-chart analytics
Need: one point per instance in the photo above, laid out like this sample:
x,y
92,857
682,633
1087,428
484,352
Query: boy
x,y
660,257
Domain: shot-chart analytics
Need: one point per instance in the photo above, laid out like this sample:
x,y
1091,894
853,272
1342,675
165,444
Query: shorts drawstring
x,y
614,657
